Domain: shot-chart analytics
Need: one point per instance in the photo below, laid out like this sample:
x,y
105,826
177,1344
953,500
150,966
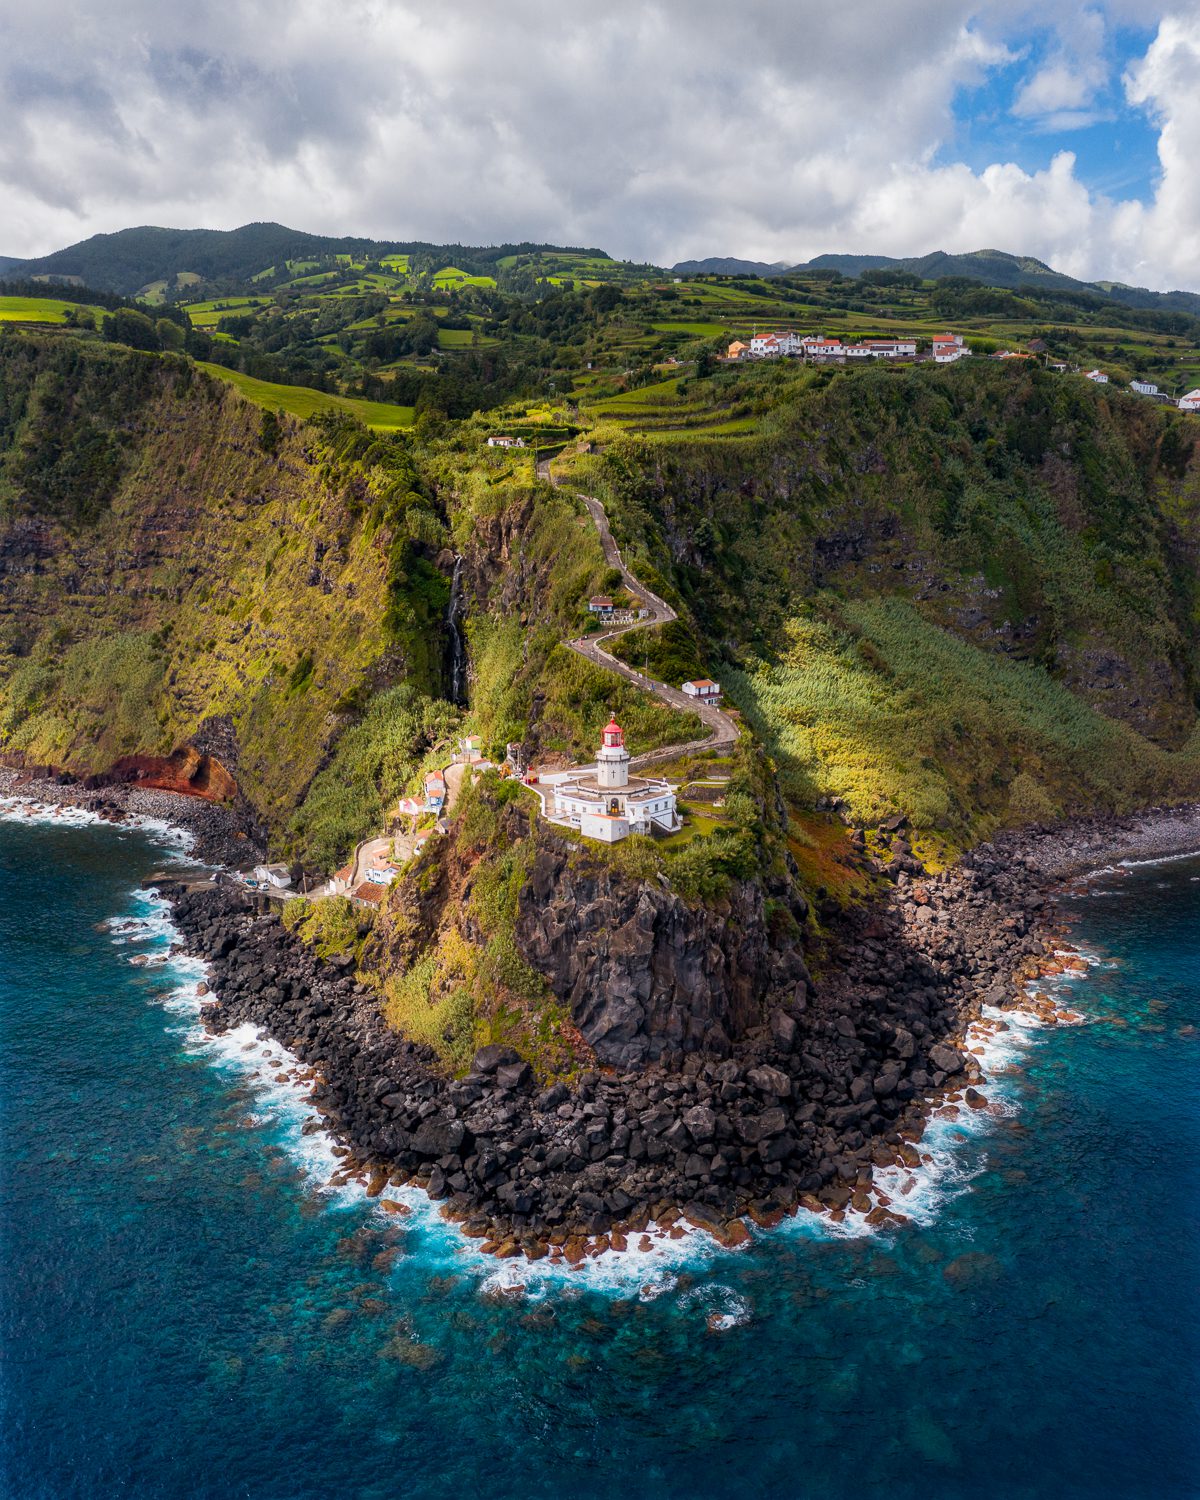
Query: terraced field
x,y
302,402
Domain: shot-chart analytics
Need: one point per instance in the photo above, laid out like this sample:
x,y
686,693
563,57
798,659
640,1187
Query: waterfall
x,y
458,650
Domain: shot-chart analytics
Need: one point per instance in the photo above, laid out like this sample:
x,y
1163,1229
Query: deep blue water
x,y
188,1312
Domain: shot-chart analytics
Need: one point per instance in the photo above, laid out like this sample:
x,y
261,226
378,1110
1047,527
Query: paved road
x,y
724,731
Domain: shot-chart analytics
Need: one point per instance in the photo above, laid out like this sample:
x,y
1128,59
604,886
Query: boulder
x,y
768,1080
488,1059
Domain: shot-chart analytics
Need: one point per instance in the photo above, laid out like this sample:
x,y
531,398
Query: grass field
x,y
451,276
209,314
300,401
34,310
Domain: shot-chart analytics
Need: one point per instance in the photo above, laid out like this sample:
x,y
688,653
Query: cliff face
x,y
178,575
646,976
967,596
508,932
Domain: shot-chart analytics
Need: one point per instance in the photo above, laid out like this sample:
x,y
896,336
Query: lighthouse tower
x,y
612,762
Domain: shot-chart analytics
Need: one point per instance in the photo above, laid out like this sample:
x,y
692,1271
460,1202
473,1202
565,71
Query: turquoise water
x,y
188,1312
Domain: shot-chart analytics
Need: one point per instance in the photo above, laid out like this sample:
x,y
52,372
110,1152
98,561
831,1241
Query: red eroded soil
x,y
185,770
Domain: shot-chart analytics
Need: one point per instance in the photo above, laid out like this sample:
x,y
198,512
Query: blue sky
x,y
1115,143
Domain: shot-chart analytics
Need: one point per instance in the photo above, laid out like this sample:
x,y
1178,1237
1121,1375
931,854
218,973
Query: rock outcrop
x,y
645,975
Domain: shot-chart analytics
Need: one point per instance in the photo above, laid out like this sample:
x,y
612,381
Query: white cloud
x,y
1066,84
658,130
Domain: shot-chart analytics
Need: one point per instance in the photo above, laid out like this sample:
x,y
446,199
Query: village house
x,y
816,348
604,802
1098,376
381,870
271,877
704,690
501,441
435,792
369,896
774,345
600,604
948,347
883,349
1190,402
737,350
1148,389
339,881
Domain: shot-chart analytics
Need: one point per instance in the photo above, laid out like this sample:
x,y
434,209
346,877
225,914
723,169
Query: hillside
x,y
1000,269
963,597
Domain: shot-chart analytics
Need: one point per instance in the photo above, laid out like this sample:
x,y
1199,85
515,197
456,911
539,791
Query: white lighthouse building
x,y
607,803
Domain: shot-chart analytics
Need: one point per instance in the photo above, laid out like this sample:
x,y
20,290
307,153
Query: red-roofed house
x,y
704,690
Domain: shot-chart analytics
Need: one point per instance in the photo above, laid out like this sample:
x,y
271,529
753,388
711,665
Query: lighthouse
x,y
612,762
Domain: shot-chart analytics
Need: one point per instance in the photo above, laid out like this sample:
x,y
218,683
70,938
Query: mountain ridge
x,y
990,267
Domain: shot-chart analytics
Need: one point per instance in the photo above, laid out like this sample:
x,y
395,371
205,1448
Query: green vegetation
x,y
36,310
871,703
332,928
954,594
378,415
373,764
467,984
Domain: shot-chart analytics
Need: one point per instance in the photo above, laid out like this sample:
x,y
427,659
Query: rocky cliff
x,y
646,976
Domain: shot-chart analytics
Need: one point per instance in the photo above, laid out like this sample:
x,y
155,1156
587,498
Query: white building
x,y
819,348
947,347
1098,376
1190,402
505,442
704,690
275,876
774,345
380,870
604,802
1144,387
883,349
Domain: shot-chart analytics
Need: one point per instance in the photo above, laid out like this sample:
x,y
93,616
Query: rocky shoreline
x,y
801,1114
218,836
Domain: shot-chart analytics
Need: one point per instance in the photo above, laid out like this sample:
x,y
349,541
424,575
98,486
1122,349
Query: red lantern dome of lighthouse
x,y
614,736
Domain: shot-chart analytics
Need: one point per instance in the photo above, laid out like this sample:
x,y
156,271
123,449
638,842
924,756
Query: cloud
x,y
1066,84
654,128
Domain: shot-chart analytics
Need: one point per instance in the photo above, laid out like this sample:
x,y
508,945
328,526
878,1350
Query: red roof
x,y
612,727
372,894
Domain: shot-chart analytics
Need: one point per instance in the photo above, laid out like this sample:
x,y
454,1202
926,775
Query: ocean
x,y
188,1311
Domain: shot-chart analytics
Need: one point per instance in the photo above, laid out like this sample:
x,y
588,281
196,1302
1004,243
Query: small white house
x,y
1190,402
1144,387
819,348
600,604
501,441
380,870
275,876
704,690
435,791
1097,376
947,347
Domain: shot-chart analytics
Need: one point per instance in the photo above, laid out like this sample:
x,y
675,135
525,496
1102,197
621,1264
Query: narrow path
x,y
724,731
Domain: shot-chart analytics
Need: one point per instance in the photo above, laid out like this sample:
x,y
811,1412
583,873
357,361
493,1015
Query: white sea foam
x,y
953,1149
18,809
952,1153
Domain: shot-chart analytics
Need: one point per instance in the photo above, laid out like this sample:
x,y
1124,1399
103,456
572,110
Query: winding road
x,y
723,730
